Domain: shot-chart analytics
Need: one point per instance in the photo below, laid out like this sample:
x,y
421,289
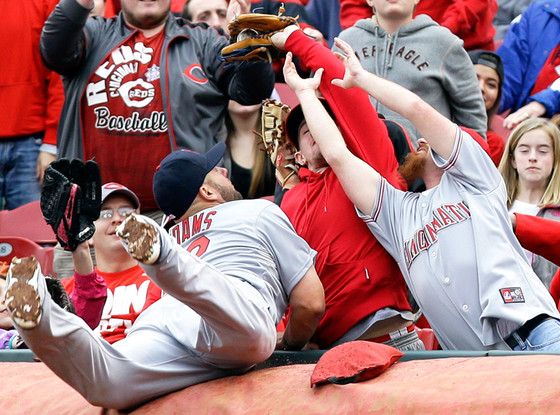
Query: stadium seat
x,y
11,246
286,94
497,125
27,222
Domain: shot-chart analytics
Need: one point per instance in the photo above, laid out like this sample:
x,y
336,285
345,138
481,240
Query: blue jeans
x,y
18,171
543,338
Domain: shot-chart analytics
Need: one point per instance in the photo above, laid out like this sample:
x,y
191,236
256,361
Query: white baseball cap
x,y
113,188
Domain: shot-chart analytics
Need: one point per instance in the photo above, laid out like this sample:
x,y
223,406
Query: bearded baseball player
x,y
230,268
454,242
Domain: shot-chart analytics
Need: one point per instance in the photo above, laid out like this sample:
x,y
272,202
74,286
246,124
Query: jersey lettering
x,y
200,244
191,226
443,216
407,55
128,78
196,223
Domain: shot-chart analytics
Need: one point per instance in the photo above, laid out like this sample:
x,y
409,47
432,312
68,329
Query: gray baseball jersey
x,y
252,240
457,251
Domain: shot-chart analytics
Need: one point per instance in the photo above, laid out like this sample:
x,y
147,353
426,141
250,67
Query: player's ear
x,y
207,192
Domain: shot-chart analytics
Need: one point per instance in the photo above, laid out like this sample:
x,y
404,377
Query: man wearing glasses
x,y
110,296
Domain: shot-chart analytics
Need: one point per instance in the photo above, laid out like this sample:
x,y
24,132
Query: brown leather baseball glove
x,y
273,136
250,36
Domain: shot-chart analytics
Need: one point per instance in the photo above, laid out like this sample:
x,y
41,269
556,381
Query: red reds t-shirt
x,y
125,128
129,292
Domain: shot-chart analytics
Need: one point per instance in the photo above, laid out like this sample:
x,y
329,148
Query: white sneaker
x,y
141,239
22,297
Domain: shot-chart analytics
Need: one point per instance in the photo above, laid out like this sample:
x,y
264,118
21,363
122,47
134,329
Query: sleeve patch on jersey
x,y
512,295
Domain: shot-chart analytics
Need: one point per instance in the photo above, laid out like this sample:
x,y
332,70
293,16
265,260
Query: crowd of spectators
x,y
130,83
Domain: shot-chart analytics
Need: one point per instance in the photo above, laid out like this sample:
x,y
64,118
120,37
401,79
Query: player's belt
x,y
524,331
392,336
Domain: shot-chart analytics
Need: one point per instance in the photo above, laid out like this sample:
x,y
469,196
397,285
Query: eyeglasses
x,y
123,212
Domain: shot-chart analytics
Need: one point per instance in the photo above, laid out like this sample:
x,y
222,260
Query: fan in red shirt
x,y
111,296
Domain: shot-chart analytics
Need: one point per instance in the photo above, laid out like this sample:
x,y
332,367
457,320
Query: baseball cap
x,y
180,175
113,188
490,59
295,117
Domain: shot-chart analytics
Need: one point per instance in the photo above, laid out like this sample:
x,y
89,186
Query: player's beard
x,y
413,166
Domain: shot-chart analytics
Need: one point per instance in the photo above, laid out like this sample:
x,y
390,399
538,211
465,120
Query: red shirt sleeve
x,y
55,100
539,235
353,10
88,293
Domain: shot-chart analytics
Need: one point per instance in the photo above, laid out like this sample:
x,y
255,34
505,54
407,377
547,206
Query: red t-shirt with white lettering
x,y
129,292
124,126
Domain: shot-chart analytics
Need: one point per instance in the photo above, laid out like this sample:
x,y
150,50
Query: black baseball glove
x,y
71,200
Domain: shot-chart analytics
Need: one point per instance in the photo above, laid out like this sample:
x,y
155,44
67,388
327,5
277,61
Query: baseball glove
x,y
71,200
250,36
59,294
273,137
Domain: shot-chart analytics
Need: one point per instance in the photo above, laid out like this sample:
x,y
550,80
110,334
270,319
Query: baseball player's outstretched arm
x,y
307,301
434,127
354,174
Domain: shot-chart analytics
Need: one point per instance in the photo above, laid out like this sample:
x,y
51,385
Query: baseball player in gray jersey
x,y
454,243
229,281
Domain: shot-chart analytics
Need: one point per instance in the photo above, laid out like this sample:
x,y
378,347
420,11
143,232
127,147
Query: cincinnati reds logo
x,y
137,94
192,70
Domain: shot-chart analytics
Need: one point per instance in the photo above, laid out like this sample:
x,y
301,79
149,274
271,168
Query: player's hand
x,y
351,63
296,82
81,256
281,343
279,340
43,161
533,109
279,39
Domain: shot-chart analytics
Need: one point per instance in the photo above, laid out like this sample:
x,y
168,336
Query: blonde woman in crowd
x,y
530,167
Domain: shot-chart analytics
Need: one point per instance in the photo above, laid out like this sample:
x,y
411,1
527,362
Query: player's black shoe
x,y
22,298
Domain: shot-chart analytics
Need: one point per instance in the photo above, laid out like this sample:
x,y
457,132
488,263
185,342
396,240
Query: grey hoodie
x,y
427,59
